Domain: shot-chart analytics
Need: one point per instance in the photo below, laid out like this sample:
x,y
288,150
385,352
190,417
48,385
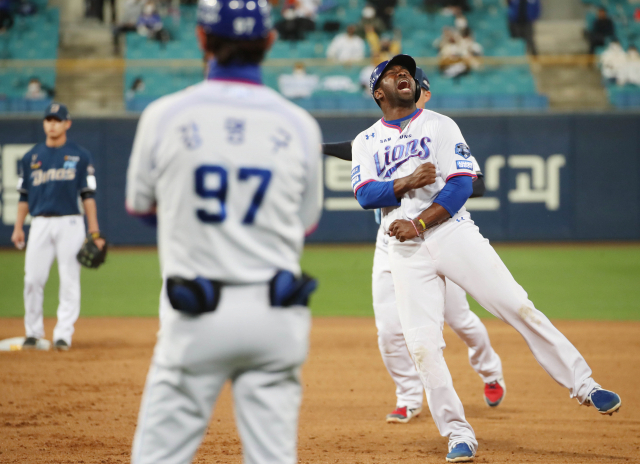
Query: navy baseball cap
x,y
403,60
422,78
235,19
57,110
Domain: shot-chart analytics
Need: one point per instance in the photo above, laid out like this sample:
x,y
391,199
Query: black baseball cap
x,y
57,110
421,77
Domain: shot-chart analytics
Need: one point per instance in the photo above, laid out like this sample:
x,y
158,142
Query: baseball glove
x,y
90,255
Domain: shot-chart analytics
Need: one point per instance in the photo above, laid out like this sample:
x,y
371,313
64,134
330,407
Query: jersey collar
x,y
246,73
396,122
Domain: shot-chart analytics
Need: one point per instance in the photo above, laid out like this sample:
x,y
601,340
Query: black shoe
x,y
61,345
30,343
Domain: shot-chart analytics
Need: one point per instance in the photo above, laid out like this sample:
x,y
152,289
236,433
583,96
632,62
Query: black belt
x,y
202,295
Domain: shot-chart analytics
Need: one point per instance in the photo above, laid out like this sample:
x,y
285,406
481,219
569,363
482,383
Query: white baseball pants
x,y
483,359
457,250
60,238
258,348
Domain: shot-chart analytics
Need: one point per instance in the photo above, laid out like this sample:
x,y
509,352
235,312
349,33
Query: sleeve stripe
x,y
456,174
355,192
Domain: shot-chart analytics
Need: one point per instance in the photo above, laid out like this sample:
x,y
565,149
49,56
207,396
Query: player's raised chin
x,y
396,88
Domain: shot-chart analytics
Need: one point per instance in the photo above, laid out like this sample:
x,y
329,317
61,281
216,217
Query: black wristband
x,y
340,150
478,187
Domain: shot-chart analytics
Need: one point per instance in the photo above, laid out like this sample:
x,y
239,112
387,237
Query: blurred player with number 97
x,y
232,170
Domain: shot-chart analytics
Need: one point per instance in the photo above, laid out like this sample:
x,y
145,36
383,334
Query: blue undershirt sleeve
x,y
455,194
24,197
377,195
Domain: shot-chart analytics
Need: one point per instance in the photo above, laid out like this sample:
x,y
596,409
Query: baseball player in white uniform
x,y
484,360
432,237
232,169
53,175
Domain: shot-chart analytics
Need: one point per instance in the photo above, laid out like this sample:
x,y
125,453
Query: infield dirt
x,y
81,406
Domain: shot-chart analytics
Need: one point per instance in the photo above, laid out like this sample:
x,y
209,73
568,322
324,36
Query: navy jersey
x,y
52,178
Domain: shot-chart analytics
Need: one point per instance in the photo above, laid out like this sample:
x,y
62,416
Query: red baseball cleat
x,y
402,415
495,392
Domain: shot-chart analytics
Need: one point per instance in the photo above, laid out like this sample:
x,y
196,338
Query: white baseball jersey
x,y
385,152
234,169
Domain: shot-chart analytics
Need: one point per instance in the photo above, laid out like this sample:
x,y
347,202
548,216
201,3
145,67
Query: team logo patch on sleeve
x,y
463,150
355,171
355,180
464,165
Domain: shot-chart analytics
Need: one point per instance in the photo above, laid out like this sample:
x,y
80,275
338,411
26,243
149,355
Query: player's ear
x,y
273,35
427,95
67,124
202,38
378,94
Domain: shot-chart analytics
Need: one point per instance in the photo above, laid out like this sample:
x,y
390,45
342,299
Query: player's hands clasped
x,y
402,229
425,174
18,238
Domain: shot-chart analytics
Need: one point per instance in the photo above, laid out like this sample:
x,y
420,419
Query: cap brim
x,y
53,115
405,61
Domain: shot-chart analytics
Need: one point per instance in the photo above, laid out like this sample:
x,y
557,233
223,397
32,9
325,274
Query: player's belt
x,y
55,215
198,296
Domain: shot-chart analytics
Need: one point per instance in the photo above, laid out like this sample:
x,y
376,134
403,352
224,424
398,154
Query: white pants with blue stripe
x,y
259,349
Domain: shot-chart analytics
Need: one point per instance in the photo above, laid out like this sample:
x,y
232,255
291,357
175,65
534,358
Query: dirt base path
x,y
81,406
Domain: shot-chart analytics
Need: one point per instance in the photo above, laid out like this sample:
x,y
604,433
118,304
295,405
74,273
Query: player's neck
x,y
398,112
56,142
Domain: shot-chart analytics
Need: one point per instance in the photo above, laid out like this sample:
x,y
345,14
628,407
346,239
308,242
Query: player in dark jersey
x,y
52,176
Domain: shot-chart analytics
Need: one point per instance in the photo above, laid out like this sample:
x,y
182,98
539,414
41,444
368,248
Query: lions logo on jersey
x,y
463,150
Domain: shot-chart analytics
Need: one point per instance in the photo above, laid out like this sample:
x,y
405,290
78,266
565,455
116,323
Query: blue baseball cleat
x,y
605,401
461,452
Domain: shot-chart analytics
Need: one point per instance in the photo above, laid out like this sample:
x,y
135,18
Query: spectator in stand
x,y
602,29
346,47
128,22
472,50
288,28
150,25
35,90
384,11
384,47
306,14
613,61
630,73
369,19
6,16
460,23
459,54
447,33
522,14
299,17
451,57
298,84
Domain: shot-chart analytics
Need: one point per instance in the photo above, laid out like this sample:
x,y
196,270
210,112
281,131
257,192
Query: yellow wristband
x,y
95,235
424,226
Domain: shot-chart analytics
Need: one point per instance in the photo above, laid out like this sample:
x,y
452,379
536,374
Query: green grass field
x,y
583,281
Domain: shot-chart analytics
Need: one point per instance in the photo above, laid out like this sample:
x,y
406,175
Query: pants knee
x,y
426,345
34,283
389,342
